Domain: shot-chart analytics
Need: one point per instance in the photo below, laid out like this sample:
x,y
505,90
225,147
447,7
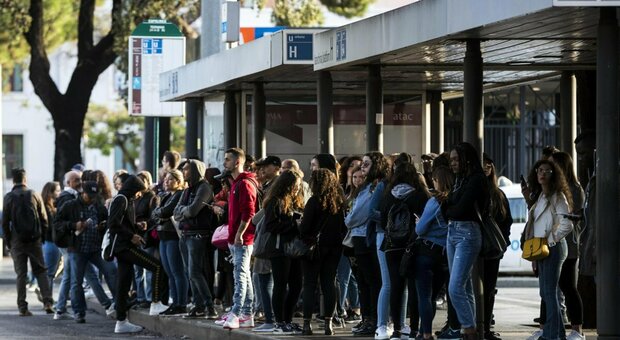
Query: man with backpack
x,y
23,224
197,222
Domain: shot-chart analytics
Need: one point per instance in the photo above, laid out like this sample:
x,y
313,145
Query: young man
x,y
23,223
85,218
242,203
196,221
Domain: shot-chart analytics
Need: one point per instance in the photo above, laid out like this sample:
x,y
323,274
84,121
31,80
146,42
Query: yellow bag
x,y
535,249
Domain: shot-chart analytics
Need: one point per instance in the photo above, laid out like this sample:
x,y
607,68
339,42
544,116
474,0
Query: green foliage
x,y
106,129
307,13
60,22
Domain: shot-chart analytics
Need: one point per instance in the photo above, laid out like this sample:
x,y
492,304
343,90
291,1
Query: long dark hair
x,y
378,169
444,177
282,192
344,168
47,194
557,181
407,173
324,186
565,162
495,194
469,159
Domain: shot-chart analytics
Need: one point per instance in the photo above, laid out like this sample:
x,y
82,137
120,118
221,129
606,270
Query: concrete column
x,y
259,120
230,120
374,109
147,144
194,109
433,99
210,35
607,231
568,114
472,96
325,113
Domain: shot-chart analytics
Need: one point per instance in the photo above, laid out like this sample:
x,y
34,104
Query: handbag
x,y
493,242
299,248
535,249
107,246
266,244
220,237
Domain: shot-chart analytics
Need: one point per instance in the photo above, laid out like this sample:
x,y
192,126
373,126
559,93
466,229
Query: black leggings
x,y
397,289
286,272
368,278
568,286
489,282
324,268
126,259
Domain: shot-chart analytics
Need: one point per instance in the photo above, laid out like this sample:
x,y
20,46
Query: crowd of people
x,y
370,240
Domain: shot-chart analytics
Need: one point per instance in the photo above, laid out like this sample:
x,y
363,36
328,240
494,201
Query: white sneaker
x,y
246,321
536,335
111,311
404,333
382,333
126,327
232,322
62,316
223,319
574,335
156,308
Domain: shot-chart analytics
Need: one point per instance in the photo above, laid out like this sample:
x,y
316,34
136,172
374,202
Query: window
x,y
518,209
13,150
14,81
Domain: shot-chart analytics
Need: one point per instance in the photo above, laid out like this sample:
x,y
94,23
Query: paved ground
x,y
516,306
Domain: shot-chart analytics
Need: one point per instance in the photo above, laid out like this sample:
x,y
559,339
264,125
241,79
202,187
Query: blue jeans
x,y
194,253
463,247
171,259
429,270
549,270
51,255
243,297
383,305
265,292
79,264
347,284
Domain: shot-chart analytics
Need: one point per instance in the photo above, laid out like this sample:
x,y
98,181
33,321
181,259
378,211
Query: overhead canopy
x,y
420,46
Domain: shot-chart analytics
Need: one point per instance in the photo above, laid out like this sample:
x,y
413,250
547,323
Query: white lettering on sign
x,y
157,28
292,52
403,116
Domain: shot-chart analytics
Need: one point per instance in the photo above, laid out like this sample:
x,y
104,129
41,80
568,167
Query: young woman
x,y
169,251
545,220
406,186
470,192
51,253
568,276
127,242
500,210
430,254
346,172
323,218
283,205
361,221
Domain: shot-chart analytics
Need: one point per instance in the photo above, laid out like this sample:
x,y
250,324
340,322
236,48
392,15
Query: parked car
x,y
512,261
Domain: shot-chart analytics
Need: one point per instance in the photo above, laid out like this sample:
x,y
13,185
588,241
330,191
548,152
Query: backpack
x,y
399,225
25,218
259,193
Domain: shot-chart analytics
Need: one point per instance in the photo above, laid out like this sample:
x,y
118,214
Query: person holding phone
x,y
282,207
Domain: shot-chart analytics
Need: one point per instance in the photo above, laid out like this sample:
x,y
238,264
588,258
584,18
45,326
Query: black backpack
x,y
399,225
259,193
25,218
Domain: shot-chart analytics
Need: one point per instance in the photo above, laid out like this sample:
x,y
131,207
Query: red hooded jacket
x,y
242,204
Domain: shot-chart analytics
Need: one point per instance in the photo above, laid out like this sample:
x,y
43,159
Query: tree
x,y
305,13
68,110
106,129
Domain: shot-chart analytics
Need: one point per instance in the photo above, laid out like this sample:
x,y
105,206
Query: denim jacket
x,y
432,226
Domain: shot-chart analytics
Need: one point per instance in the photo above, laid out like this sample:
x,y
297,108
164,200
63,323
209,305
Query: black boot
x,y
307,330
329,329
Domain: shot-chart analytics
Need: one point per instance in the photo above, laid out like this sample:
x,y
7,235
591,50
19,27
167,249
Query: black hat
x,y
90,188
269,160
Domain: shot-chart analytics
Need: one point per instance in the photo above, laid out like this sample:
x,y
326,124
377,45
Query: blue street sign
x,y
299,47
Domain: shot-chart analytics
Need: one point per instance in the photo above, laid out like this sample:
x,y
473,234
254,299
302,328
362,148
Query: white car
x,y
512,261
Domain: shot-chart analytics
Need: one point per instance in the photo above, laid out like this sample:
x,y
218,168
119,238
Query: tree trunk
x,y
68,138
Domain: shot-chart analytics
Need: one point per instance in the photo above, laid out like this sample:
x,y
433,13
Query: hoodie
x,y
194,210
242,204
122,215
415,200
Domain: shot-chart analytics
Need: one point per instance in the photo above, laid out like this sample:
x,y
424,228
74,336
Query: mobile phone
x,y
523,182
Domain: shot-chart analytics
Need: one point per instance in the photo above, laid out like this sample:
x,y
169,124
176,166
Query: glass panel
x,y
13,150
518,209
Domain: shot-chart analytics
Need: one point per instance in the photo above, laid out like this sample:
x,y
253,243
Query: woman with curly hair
x,y
361,220
283,206
323,219
545,220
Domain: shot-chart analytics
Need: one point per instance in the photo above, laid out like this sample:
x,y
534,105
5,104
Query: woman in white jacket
x,y
549,221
